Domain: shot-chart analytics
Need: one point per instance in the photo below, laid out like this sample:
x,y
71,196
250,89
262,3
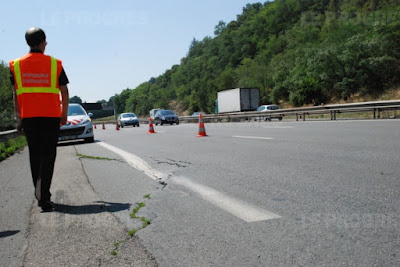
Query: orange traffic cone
x,y
104,127
202,130
117,126
95,126
151,129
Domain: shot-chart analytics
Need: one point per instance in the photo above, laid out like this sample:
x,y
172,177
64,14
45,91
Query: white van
x,y
153,112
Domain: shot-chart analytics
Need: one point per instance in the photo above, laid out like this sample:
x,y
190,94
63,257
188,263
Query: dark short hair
x,y
35,36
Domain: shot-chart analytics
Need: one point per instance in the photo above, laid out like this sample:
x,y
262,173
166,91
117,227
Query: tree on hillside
x,y
121,99
75,99
6,99
298,52
110,101
219,27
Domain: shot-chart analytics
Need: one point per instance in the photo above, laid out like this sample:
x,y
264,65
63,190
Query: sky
x,y
107,46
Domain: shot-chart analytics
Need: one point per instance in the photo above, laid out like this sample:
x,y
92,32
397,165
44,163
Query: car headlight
x,y
86,120
163,118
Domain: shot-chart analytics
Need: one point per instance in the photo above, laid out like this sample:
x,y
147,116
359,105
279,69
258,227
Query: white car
x,y
128,119
79,125
267,108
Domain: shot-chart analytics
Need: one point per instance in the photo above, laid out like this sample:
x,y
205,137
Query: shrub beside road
x,y
11,146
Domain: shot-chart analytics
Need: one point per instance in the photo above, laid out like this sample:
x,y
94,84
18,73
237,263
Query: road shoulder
x,y
82,231
16,197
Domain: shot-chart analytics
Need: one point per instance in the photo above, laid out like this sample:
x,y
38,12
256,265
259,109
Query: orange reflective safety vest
x,y
36,85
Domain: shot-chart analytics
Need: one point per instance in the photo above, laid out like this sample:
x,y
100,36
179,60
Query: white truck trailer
x,y
238,99
153,112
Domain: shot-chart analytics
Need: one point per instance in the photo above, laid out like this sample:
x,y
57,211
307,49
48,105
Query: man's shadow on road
x,y
8,233
92,208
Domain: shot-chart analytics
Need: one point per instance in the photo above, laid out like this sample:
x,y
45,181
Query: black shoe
x,y
46,206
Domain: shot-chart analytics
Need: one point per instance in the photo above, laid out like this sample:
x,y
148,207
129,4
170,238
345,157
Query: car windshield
x,y
128,115
75,110
166,112
271,107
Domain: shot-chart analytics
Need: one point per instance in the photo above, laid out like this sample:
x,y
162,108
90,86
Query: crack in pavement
x,y
172,162
82,229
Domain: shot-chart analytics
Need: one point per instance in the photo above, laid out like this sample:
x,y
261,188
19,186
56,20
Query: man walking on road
x,y
37,81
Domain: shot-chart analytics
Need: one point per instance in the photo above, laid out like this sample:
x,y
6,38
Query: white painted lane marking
x,y
253,137
239,208
135,162
278,127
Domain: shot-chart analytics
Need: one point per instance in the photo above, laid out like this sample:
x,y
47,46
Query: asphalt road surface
x,y
249,194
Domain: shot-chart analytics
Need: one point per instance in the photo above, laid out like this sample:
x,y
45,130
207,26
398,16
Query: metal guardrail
x,y
375,107
7,135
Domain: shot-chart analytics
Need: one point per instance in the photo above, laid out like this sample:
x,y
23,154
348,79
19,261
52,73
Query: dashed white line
x,y
239,208
253,137
278,127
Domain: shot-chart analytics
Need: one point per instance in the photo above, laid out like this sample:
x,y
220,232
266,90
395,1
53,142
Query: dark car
x,y
128,119
166,116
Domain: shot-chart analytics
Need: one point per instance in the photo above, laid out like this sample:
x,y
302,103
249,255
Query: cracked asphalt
x,y
82,231
334,185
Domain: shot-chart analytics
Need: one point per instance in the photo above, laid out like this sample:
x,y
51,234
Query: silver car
x,y
268,108
128,119
79,125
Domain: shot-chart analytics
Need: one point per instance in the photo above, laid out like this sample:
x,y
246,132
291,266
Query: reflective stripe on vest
x,y
53,80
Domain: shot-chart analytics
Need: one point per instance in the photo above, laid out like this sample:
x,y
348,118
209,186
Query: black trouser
x,y
42,137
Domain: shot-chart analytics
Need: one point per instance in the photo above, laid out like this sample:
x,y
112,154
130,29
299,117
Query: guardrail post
x,y
304,116
297,117
333,114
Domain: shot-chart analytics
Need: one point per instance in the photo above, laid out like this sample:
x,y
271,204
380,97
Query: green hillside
x,y
6,101
297,52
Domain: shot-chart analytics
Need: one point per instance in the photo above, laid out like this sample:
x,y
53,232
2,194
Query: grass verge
x,y
104,119
12,146
92,157
133,215
135,210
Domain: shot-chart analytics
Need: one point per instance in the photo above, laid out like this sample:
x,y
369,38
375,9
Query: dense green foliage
x,y
296,51
11,146
6,99
75,99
